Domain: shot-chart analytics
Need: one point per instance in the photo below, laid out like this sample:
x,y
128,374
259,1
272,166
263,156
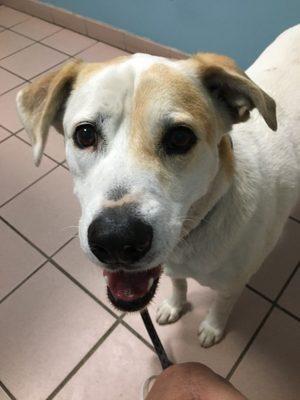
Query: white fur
x,y
242,229
249,219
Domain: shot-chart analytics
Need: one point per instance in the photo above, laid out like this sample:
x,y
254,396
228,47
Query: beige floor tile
x,y
280,263
17,169
36,28
291,296
72,259
32,61
10,17
3,133
55,146
270,369
8,81
3,395
17,259
69,42
10,42
296,211
101,52
46,212
117,370
55,68
181,341
10,119
47,326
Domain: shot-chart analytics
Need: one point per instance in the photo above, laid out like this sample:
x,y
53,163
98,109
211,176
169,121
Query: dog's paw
x,y
168,313
209,335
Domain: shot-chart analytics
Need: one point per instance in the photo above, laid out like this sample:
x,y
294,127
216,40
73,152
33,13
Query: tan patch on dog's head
x,y
126,199
164,96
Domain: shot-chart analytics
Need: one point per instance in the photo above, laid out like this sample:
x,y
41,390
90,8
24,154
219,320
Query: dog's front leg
x,y
212,328
171,309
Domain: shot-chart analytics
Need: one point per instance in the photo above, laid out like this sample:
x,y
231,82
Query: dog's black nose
x,y
117,235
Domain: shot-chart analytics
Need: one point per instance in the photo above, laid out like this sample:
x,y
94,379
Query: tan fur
x,y
128,198
240,92
162,85
40,102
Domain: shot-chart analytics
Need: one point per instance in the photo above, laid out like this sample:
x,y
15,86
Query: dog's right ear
x,y
41,104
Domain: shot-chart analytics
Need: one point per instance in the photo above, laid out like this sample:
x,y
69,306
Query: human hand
x,y
192,381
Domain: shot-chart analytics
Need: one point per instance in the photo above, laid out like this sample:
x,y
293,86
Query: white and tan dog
x,y
172,169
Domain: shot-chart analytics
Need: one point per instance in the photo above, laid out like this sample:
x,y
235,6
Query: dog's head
x,y
144,140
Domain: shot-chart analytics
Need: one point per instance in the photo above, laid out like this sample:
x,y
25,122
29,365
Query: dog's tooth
x,y
151,280
128,293
106,279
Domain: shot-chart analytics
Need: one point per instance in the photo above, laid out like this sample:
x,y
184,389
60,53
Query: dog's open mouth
x,y
131,291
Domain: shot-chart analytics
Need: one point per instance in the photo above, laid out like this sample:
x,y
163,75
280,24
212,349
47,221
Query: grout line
x,y
80,285
259,293
246,348
136,334
24,237
15,87
34,272
46,45
23,281
260,326
27,187
289,313
9,394
9,136
10,131
37,40
17,51
273,302
57,266
287,282
294,219
13,73
40,41
48,69
65,166
83,360
44,154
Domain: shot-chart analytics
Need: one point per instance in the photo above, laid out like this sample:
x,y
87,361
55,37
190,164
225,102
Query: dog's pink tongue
x,y
130,286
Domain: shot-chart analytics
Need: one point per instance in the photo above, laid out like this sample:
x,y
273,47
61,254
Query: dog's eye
x,y
178,140
85,135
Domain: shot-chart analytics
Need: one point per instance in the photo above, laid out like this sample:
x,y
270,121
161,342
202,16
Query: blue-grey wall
x,y
239,28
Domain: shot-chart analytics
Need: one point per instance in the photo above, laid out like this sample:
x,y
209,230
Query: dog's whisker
x,y
70,227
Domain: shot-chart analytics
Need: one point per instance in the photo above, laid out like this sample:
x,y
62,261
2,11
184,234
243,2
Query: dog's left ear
x,y
41,104
233,90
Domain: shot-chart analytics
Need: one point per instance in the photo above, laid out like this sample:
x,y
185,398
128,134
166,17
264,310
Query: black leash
x,y
160,351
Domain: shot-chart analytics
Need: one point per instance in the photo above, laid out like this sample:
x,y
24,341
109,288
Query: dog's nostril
x,y
128,251
102,254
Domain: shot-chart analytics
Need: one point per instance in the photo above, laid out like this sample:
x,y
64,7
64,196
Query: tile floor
x,y
59,337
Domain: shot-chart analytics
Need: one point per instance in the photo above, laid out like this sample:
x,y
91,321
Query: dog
x,y
179,165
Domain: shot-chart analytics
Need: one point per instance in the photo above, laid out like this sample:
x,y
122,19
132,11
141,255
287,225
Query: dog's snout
x,y
117,235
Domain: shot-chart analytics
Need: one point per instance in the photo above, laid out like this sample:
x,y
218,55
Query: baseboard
x,y
94,29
